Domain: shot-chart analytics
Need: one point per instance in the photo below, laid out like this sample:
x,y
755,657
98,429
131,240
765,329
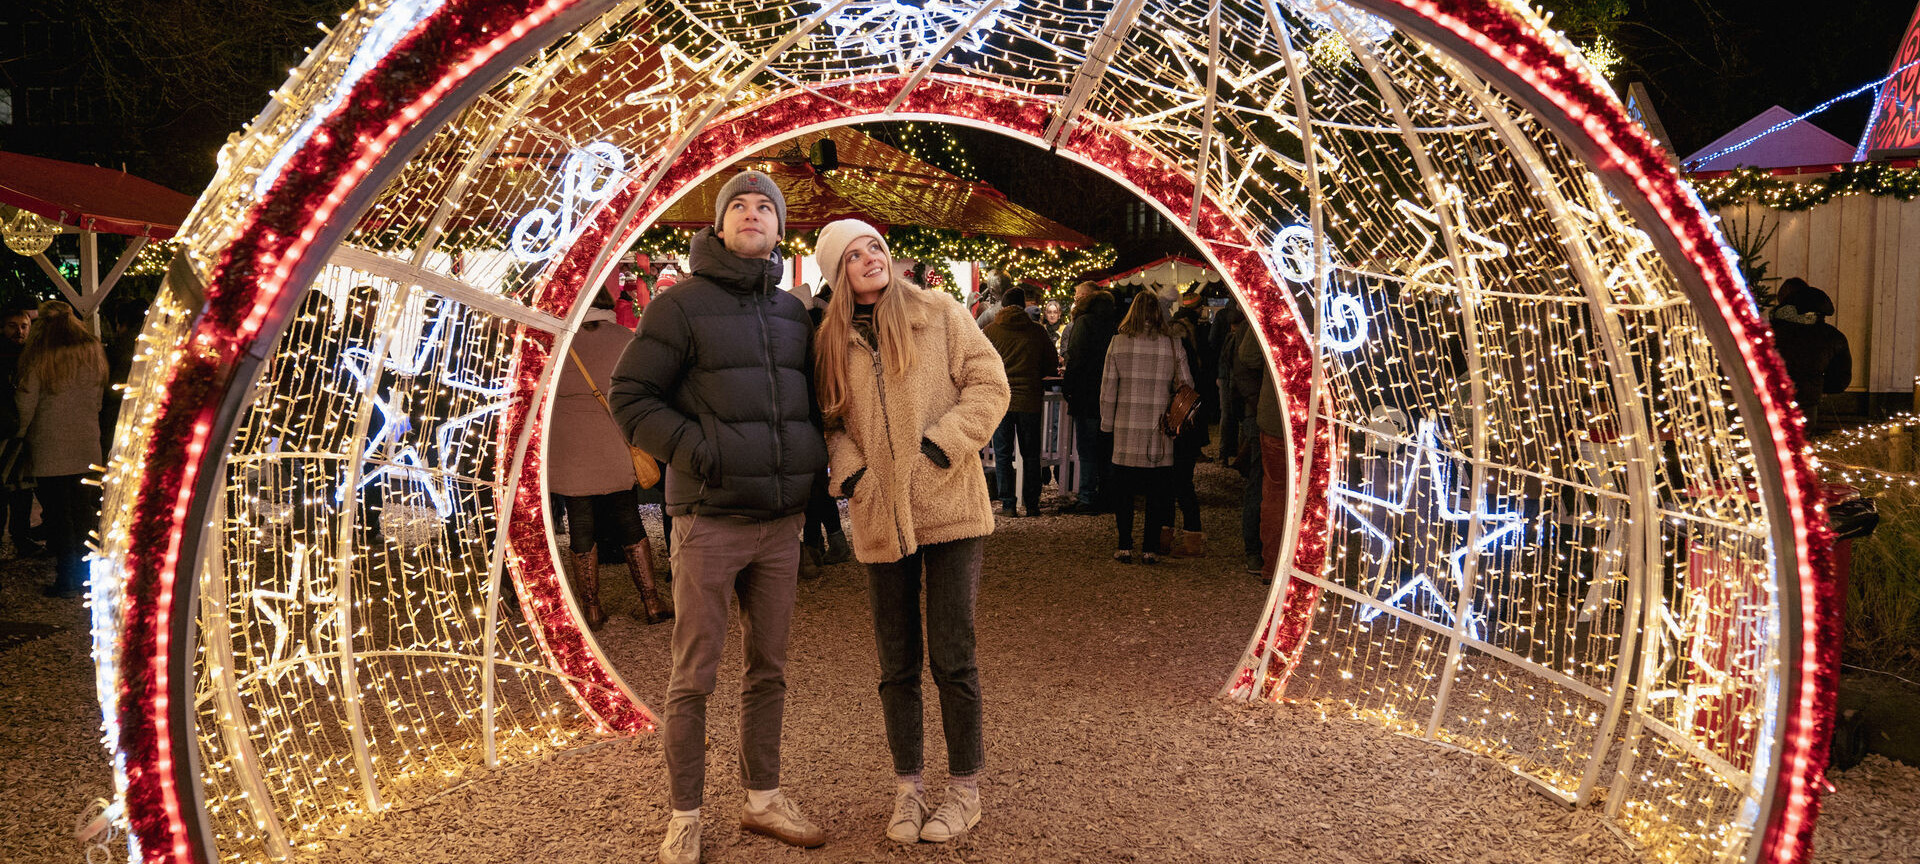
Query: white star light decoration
x,y
385,449
1499,527
325,613
906,34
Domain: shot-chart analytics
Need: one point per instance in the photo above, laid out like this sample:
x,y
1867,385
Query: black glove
x,y
934,454
846,488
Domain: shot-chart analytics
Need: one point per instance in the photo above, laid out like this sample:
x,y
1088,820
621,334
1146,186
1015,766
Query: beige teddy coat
x,y
954,396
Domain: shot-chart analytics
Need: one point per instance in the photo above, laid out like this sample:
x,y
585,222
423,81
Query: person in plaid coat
x,y
1145,365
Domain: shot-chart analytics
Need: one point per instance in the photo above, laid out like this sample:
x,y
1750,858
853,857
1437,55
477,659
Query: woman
x,y
591,469
62,378
911,390
1144,366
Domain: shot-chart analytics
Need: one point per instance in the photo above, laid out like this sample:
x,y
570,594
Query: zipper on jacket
x,y
886,425
779,423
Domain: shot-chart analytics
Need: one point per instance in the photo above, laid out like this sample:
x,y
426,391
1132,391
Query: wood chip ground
x,y
1106,742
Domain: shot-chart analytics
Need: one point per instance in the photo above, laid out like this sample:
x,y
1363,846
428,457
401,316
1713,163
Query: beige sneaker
x,y
957,815
782,821
909,813
682,845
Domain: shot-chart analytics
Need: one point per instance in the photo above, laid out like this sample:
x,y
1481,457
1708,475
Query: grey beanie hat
x,y
741,184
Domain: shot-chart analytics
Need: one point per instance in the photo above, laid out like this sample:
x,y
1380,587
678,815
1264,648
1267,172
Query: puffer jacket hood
x,y
708,256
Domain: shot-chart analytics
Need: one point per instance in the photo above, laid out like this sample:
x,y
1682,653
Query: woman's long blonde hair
x,y
62,351
893,318
1145,317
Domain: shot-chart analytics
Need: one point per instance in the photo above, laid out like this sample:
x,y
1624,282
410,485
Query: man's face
x,y
751,226
14,327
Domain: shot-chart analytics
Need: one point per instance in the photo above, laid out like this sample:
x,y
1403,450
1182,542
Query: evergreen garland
x,y
1781,193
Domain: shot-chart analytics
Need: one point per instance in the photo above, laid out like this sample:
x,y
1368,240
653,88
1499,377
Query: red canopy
x,y
91,198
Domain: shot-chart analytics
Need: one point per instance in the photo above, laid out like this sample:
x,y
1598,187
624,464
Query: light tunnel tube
x,y
202,431
1497,45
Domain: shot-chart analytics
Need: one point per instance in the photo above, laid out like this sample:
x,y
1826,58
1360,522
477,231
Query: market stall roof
x,y
1774,138
1171,270
879,184
91,198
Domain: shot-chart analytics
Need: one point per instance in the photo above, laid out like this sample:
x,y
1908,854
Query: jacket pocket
x,y
706,457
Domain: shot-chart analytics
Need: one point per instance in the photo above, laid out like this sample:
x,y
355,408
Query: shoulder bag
x,y
646,472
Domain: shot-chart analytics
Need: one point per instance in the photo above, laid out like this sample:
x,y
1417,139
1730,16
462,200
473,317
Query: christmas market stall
x,y
46,198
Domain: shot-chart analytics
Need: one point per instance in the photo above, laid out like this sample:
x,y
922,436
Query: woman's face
x,y
868,268
1053,313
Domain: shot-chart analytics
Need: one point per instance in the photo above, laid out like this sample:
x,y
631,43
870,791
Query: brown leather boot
x,y
586,587
653,604
1193,544
1166,541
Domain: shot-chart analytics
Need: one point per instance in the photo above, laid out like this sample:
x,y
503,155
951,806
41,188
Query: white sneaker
x,y
909,814
682,845
958,814
782,821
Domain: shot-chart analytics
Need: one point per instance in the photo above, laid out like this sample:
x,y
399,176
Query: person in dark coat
x,y
1816,353
719,384
16,484
1029,357
1095,318
1187,326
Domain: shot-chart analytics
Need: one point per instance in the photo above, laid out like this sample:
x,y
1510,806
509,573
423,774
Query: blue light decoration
x,y
1502,526
590,175
907,33
404,461
1343,321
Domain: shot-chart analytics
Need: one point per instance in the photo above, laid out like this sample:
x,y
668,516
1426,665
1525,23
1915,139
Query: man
x,y
1095,318
1029,357
718,383
16,488
1263,518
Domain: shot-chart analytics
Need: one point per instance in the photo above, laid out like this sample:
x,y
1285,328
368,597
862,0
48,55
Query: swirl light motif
x,y
1532,342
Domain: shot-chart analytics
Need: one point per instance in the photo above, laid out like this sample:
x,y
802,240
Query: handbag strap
x,y
590,385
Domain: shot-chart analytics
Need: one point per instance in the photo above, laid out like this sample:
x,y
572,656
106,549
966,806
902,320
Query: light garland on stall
x,y
1519,418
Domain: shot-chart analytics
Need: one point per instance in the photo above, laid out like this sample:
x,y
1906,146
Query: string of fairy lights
x,y
1538,473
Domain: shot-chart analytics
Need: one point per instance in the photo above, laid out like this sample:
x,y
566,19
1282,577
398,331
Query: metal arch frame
x,y
391,161
1770,460
193,527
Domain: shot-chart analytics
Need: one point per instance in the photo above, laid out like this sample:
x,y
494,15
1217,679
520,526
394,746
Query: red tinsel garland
x,y
254,269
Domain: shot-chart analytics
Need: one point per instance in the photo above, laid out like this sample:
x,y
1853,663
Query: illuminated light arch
x,y
391,170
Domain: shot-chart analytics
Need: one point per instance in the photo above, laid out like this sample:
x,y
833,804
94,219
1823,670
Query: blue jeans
x,y
1095,452
951,574
1024,426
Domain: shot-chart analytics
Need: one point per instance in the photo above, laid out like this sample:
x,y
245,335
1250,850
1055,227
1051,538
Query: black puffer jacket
x,y
1093,328
719,383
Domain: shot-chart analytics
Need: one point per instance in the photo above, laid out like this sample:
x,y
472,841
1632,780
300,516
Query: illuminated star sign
x,y
906,34
1343,323
385,448
677,72
1476,247
1499,526
1320,13
299,594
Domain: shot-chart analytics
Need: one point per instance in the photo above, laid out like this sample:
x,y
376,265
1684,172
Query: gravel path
x,y
1105,742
